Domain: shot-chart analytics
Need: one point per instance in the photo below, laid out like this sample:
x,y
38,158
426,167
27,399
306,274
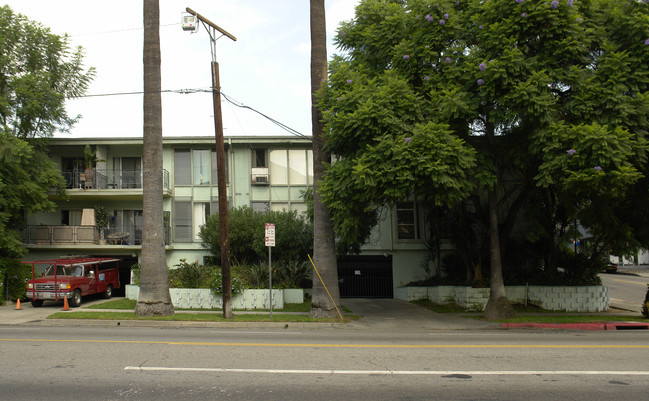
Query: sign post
x,y
270,242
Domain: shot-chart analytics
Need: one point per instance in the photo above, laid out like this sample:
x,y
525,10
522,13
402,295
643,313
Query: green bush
x,y
286,274
13,277
191,275
216,284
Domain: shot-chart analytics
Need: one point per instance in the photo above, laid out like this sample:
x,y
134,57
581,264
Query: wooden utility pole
x,y
224,236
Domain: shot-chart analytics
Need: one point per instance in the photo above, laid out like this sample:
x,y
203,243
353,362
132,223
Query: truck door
x,y
89,280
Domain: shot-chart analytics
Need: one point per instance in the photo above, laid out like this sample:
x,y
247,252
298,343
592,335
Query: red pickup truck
x,y
73,279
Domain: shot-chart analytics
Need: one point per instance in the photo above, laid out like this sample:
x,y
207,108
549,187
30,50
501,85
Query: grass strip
x,y
195,317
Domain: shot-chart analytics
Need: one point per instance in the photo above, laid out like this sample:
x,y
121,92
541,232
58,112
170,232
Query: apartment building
x,y
265,173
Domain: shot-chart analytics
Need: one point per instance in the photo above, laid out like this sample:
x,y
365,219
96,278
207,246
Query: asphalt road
x,y
120,363
626,291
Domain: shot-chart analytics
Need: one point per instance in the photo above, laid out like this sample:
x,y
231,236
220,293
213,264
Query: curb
x,y
578,326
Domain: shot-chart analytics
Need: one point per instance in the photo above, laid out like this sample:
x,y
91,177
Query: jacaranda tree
x,y
532,103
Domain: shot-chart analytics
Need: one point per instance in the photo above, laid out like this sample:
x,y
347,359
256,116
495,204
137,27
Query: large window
x,y
202,166
201,213
407,220
215,177
182,167
182,220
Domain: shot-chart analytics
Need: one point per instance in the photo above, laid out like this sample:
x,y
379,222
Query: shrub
x,y
191,275
216,284
14,278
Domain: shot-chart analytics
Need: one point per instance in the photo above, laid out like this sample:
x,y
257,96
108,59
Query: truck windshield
x,y
58,270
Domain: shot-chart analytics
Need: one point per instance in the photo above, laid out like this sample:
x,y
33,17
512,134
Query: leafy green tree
x,y
293,236
539,104
38,72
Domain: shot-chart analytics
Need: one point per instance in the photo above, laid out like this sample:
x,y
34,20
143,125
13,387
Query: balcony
x,y
84,235
109,179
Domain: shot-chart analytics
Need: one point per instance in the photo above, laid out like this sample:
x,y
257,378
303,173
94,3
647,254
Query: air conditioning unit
x,y
259,176
189,22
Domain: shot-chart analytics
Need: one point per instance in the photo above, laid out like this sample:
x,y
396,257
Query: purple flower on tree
x,y
480,81
570,3
445,16
483,66
442,22
554,4
571,152
646,42
426,78
408,139
520,1
349,81
597,168
429,18
406,57
448,60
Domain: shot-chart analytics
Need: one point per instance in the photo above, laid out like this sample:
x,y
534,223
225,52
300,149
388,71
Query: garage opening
x,y
365,276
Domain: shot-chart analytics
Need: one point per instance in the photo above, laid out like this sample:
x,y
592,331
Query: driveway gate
x,y
365,276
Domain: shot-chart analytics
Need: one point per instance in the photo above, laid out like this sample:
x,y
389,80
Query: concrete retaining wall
x,y
569,299
203,298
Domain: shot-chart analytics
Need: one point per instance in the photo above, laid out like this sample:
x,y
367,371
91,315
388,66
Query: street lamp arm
x,y
210,23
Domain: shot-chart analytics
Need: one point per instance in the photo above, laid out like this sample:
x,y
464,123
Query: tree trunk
x,y
498,306
324,246
154,299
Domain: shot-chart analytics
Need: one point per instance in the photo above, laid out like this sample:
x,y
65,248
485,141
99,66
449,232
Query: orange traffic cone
x,y
18,304
65,303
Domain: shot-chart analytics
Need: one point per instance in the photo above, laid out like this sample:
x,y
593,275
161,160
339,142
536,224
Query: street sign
x,y
270,234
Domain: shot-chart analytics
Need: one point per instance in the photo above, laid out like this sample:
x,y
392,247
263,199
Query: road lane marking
x,y
307,345
630,282
392,372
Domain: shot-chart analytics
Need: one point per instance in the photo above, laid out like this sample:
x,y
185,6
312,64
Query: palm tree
x,y
324,246
154,299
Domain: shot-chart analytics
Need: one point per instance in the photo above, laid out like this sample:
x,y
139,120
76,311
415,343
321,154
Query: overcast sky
x,y
267,68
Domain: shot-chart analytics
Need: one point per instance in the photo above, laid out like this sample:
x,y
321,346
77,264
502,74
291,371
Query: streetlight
x,y
190,23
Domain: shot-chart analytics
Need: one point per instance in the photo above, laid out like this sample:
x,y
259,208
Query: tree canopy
x,y
541,104
38,71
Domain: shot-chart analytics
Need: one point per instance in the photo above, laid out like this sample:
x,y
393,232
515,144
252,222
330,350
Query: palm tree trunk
x,y
324,246
154,299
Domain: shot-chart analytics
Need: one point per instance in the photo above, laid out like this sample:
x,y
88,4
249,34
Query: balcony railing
x,y
84,235
108,179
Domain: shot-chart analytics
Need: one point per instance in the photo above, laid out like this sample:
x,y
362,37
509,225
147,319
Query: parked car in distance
x,y
611,267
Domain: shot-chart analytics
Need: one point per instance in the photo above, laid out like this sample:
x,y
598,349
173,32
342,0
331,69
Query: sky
x,y
267,68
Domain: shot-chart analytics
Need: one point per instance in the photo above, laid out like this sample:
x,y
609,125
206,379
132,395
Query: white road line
x,y
393,372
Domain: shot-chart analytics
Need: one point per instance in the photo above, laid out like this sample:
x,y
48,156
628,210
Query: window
x,y
259,158
201,212
182,220
260,206
182,167
202,166
215,177
279,167
406,220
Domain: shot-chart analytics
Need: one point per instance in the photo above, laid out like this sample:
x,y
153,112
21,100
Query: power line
x,y
192,91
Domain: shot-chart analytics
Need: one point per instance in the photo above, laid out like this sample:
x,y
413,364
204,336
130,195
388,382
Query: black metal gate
x,y
365,276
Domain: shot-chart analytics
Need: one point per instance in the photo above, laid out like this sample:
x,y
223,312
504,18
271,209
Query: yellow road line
x,y
299,345
630,282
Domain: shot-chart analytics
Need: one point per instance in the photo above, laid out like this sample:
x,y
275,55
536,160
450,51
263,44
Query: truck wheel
x,y
75,300
109,292
37,303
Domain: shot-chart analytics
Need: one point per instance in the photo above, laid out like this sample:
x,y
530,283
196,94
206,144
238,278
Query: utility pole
x,y
224,236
